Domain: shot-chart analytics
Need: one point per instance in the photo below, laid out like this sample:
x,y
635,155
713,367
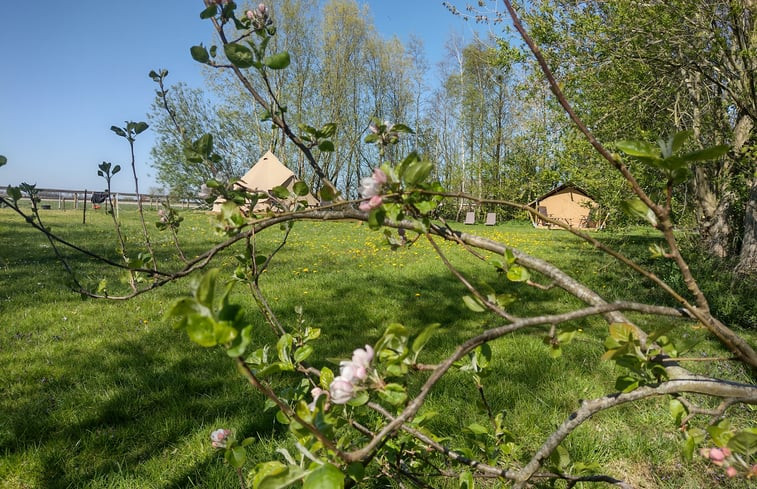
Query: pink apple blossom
x,y
363,357
717,455
372,203
218,438
731,471
341,390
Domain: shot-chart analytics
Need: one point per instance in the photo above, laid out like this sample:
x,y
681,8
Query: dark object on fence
x,y
46,207
99,197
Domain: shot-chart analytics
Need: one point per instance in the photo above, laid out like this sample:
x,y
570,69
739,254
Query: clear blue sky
x,y
73,69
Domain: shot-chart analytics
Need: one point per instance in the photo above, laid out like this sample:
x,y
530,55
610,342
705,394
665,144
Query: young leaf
x,y
326,145
473,304
639,149
300,189
277,61
517,273
240,56
280,192
3,160
209,12
199,54
326,476
637,208
707,153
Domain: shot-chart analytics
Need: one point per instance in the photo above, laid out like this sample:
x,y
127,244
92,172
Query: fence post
x,y
76,200
84,213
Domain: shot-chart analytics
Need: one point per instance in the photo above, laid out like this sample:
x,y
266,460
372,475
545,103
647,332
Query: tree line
x,y
491,127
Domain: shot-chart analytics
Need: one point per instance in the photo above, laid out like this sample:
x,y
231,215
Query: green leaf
x,y
720,433
677,410
209,12
302,353
623,331
626,383
466,481
394,394
637,208
265,470
140,127
744,442
694,437
199,54
326,476
326,145
417,172
224,332
707,153
473,304
116,169
560,457
201,330
328,130
678,139
517,273
206,288
327,377
420,341
278,61
118,131
327,193
283,346
360,399
280,192
301,189
3,160
639,148
240,343
477,429
240,56
236,457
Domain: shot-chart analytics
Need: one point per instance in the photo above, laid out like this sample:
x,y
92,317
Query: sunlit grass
x,y
107,394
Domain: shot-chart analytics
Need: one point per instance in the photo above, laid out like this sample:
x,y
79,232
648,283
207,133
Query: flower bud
x,y
341,390
731,472
717,455
218,437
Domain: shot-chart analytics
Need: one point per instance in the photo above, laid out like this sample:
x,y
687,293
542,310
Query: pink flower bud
x,y
726,451
363,357
731,472
341,390
716,455
262,9
371,204
250,14
218,437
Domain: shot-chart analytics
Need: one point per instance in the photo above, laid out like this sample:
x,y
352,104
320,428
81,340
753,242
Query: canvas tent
x,y
264,175
566,203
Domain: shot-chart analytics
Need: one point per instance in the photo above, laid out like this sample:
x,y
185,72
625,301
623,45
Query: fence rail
x,y
67,198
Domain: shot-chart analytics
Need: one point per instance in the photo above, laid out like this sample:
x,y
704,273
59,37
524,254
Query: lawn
x,y
108,395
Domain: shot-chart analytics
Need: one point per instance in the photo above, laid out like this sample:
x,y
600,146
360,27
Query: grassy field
x,y
107,395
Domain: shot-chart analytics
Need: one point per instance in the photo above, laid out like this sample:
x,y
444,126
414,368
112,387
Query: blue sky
x,y
74,69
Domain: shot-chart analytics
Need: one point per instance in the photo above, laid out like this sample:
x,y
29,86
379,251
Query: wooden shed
x,y
566,203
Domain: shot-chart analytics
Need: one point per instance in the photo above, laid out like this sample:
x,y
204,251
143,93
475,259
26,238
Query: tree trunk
x,y
748,256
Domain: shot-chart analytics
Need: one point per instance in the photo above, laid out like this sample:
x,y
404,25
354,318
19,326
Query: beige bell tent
x,y
566,203
264,175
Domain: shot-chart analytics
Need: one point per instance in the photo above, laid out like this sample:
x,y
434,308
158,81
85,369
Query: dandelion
x,y
218,438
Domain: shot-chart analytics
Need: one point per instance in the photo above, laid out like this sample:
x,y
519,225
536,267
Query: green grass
x,y
107,395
